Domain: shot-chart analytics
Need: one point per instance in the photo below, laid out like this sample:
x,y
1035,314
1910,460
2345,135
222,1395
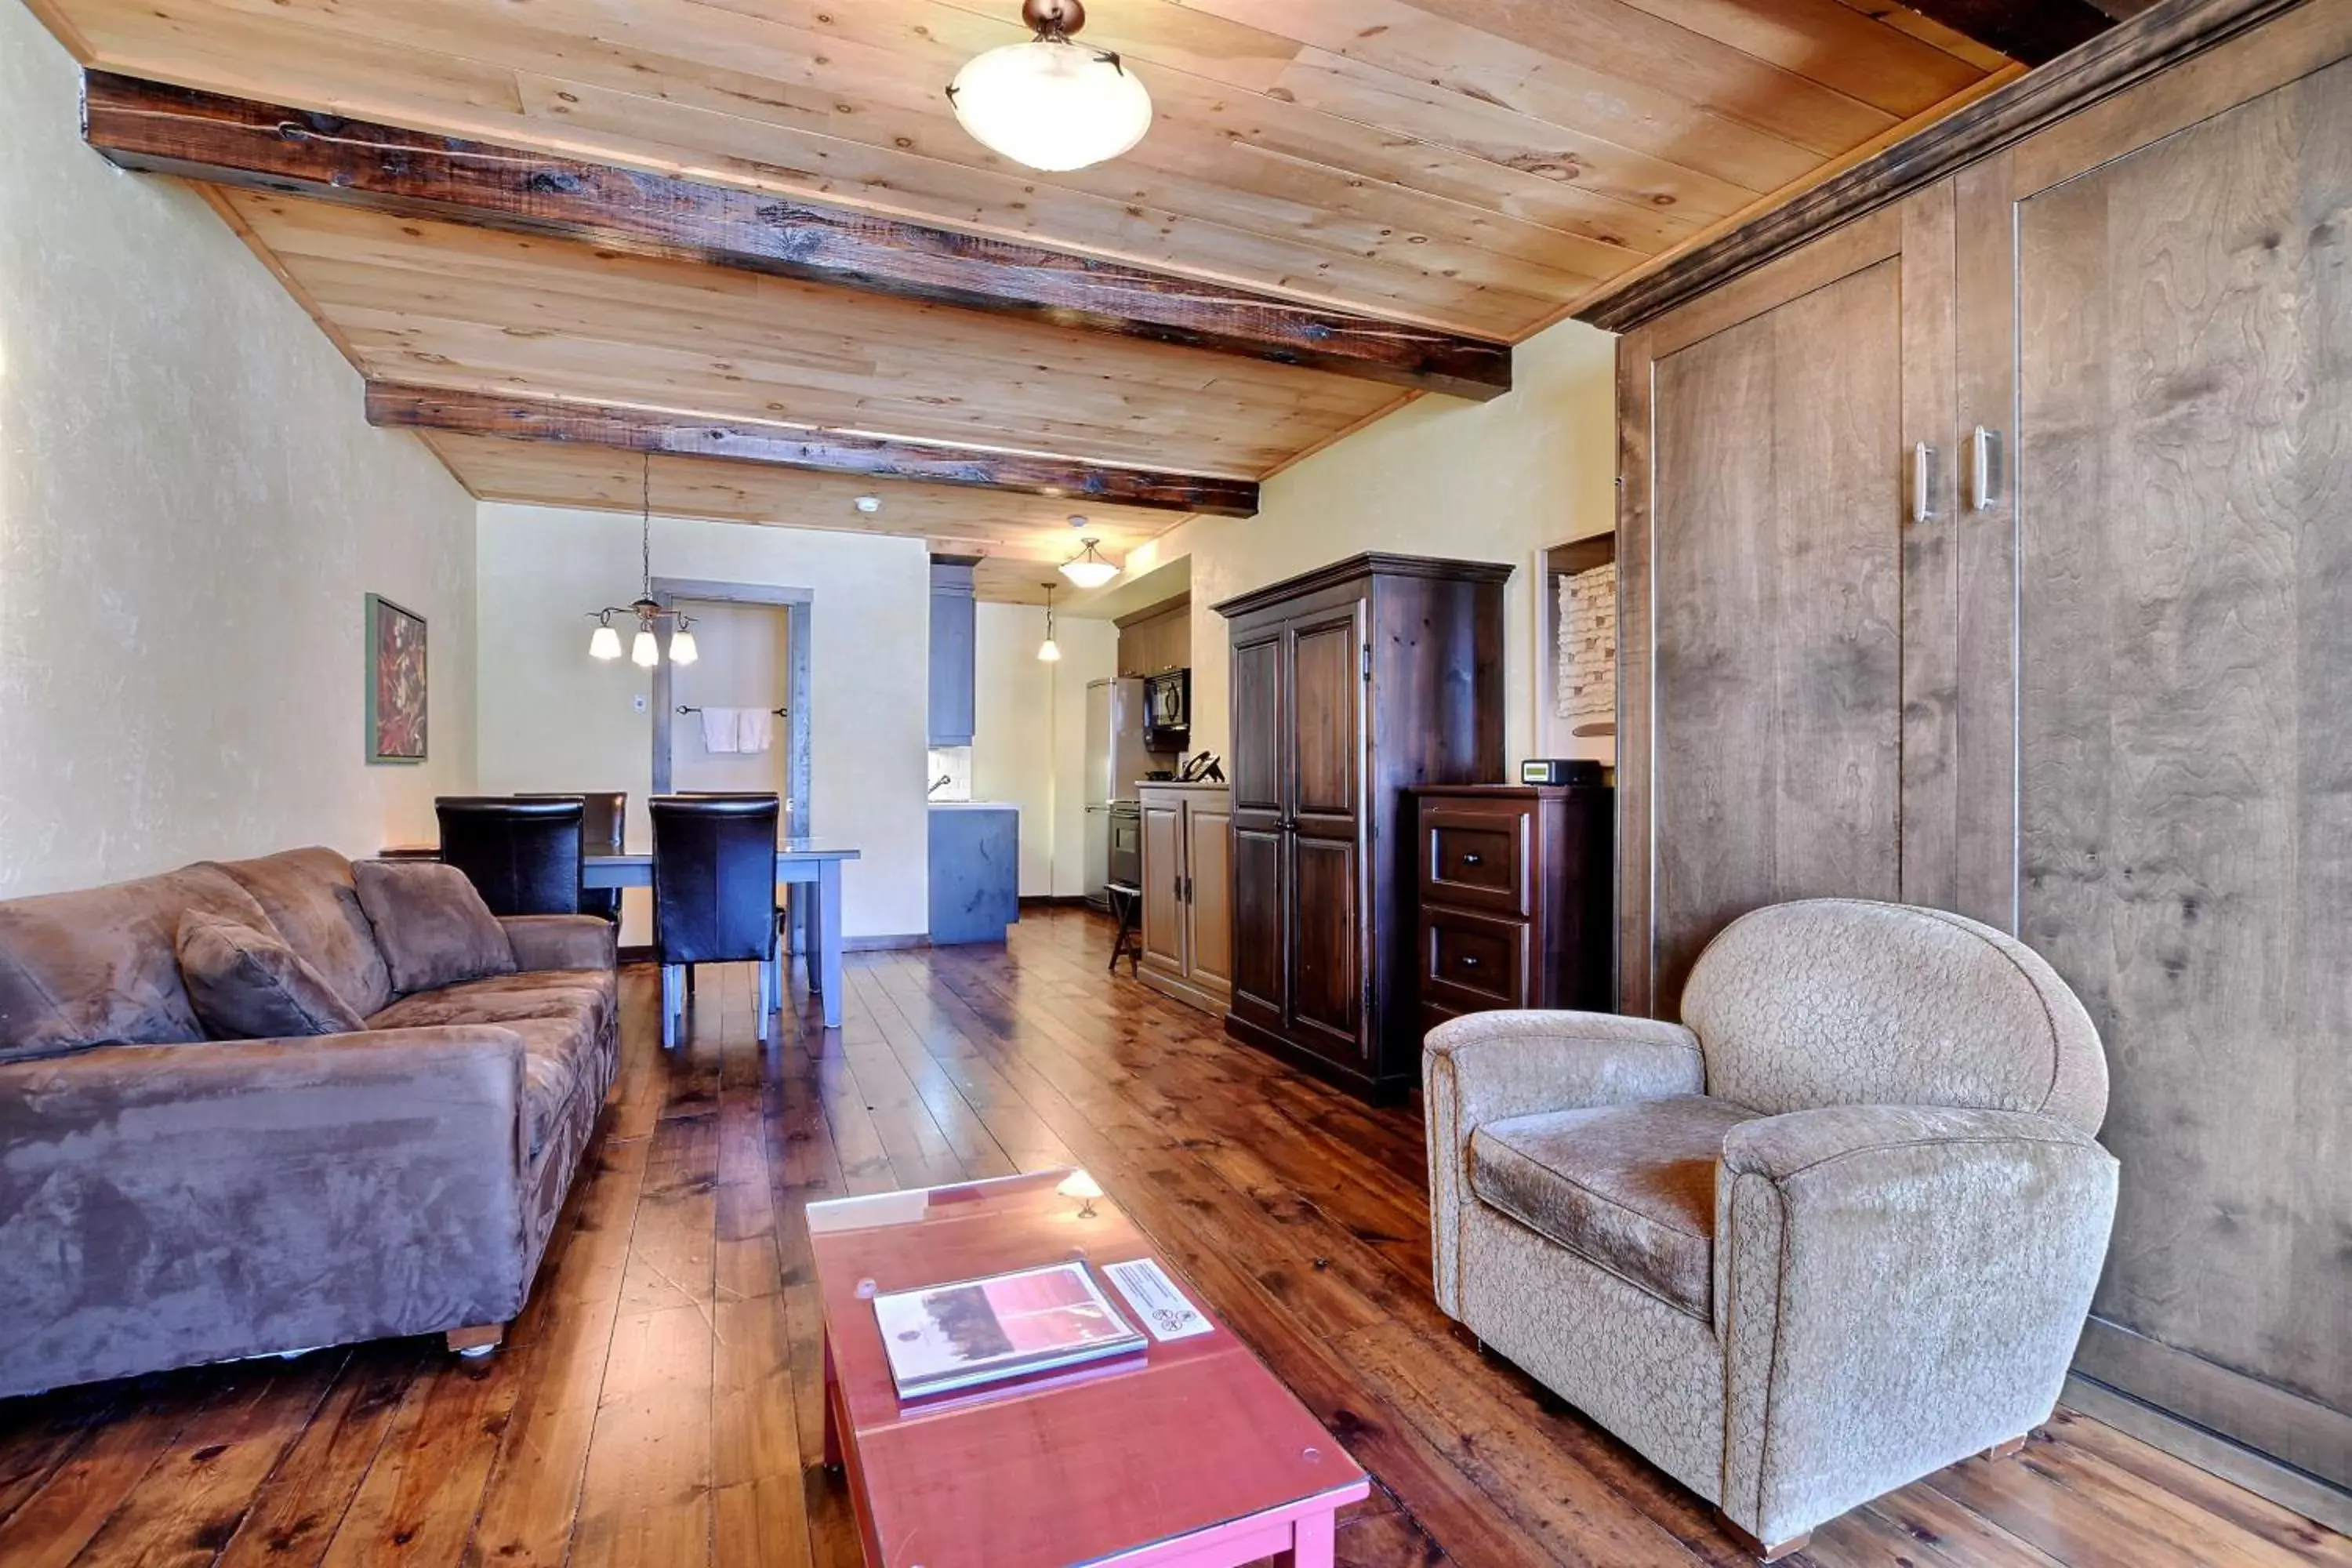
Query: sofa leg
x,y
2003,1450
477,1342
1763,1553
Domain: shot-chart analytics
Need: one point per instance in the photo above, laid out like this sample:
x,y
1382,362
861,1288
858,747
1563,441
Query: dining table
x,y
803,863
810,864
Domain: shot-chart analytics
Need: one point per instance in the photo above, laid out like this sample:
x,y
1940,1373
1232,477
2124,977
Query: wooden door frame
x,y
800,607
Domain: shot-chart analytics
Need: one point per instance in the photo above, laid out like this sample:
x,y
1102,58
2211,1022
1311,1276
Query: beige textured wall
x,y
1029,746
192,507
1489,481
554,718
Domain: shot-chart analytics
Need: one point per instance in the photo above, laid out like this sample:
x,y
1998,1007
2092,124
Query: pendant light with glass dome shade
x,y
1087,569
1051,103
644,648
1049,650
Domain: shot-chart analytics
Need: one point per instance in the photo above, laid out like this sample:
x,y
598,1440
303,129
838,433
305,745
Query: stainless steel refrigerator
x,y
1116,761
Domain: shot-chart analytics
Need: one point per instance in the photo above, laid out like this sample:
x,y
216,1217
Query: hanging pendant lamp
x,y
644,648
1050,103
1049,650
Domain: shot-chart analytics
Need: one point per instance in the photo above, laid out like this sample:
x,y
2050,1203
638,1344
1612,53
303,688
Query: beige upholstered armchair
x,y
1837,1229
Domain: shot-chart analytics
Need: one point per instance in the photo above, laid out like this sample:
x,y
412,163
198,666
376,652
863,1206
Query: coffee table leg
x,y
832,1420
1310,1543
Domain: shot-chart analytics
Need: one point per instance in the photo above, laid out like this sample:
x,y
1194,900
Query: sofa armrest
x,y
562,941
1488,1066
1896,1287
166,1205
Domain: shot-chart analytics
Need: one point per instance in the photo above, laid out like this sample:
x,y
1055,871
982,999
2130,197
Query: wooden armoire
x,y
1986,544
1350,685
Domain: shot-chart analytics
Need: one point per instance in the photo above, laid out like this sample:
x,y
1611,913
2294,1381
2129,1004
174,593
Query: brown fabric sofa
x,y
167,1200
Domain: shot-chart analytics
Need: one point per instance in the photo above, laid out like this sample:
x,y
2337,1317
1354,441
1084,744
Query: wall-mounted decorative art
x,y
395,682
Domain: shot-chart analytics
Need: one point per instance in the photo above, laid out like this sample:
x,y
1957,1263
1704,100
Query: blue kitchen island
x,y
975,871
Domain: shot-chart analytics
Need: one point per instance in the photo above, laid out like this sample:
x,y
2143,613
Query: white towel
x,y
755,729
719,729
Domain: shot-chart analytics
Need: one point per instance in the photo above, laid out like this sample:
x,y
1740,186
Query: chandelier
x,y
1050,103
644,650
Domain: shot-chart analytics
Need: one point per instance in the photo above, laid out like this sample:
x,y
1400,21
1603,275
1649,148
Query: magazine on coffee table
x,y
941,1338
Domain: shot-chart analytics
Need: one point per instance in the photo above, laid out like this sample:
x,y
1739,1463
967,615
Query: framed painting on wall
x,y
395,682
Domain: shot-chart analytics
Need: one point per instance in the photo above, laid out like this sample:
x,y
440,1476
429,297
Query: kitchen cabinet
x,y
1350,686
1188,893
954,623
1156,640
1994,546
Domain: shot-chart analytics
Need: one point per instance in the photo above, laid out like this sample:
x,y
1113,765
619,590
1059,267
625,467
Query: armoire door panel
x,y
1327,701
1257,721
2184,323
1327,988
1777,522
1261,927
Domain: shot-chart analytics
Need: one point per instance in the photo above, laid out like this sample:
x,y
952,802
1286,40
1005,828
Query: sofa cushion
x,y
246,984
1630,1187
310,899
102,964
432,927
562,1015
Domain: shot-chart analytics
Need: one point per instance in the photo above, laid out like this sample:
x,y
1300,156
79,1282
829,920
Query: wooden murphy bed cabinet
x,y
1350,685
1992,507
1188,893
1512,883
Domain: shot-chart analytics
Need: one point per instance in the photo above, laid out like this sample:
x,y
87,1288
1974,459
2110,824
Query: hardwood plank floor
x,y
659,1401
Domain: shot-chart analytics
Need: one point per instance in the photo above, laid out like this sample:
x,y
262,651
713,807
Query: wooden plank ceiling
x,y
1475,166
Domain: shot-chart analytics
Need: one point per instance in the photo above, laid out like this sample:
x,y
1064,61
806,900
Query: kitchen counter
x,y
975,870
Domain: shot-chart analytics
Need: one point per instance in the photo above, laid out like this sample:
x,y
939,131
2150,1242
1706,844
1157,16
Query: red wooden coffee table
x,y
1197,1456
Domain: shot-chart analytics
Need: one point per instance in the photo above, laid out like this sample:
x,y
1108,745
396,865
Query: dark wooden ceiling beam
x,y
801,447
159,129
2034,31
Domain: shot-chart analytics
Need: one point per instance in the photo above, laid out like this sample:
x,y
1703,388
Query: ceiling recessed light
x,y
1077,520
870,504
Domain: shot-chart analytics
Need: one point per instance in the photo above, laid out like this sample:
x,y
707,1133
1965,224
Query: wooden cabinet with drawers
x,y
1514,891
1188,893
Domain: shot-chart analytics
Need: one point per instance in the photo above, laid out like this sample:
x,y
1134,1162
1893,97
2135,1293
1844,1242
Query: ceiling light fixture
x,y
1049,650
1087,569
1050,103
644,648
869,505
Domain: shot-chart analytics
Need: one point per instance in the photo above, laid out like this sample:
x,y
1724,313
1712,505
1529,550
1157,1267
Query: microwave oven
x,y
1168,710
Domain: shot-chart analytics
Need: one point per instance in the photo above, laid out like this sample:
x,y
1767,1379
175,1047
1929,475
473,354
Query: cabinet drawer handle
x,y
1468,962
1473,860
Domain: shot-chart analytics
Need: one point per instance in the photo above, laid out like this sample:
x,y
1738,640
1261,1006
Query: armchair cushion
x,y
433,926
1630,1187
246,984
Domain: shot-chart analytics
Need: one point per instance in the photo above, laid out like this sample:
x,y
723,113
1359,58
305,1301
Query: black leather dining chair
x,y
603,822
714,892
522,856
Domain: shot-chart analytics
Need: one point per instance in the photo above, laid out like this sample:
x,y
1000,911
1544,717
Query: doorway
x,y
754,643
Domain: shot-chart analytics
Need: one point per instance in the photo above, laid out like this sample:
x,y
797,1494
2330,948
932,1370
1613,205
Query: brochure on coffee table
x,y
945,1337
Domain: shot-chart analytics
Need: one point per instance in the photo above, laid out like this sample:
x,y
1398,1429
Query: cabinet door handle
x,y
1473,860
1468,962
1923,483
1984,468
